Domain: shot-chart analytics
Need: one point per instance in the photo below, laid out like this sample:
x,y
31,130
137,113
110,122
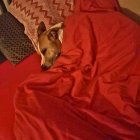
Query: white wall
x,y
133,5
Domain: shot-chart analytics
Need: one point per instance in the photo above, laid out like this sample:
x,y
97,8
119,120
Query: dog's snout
x,y
44,67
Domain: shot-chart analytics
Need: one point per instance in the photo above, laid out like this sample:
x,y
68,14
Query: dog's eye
x,y
43,51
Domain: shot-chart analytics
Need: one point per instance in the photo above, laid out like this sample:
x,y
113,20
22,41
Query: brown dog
x,y
49,43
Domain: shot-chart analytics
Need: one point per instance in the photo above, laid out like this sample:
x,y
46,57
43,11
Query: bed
x,y
91,92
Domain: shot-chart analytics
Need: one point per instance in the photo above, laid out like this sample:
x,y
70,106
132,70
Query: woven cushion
x,y
31,12
14,44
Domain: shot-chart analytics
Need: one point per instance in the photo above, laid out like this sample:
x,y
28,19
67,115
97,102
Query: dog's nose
x,y
44,67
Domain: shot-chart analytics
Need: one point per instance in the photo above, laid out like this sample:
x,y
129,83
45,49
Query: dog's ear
x,y
41,28
53,34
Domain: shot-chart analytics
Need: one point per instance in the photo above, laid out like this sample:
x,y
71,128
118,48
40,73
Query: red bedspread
x,y
93,90
10,77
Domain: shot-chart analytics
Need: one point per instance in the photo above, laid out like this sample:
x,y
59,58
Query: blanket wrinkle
x,y
92,91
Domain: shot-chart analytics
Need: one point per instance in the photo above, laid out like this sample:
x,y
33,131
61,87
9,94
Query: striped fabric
x,y
31,12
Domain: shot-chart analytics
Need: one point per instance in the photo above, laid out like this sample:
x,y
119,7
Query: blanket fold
x,y
92,91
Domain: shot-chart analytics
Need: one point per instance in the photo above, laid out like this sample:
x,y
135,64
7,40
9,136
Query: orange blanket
x,y
93,90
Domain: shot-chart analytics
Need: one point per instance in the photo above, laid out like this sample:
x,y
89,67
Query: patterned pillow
x,y
31,12
14,44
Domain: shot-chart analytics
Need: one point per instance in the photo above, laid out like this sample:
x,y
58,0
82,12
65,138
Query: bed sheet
x,y
10,77
93,90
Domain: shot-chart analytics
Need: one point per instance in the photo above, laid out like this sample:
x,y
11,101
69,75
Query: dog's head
x,y
49,45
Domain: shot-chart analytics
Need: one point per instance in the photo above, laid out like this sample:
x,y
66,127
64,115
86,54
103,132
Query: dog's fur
x,y
49,43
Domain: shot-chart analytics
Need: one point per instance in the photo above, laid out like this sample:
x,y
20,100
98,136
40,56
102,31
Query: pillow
x,y
31,12
14,44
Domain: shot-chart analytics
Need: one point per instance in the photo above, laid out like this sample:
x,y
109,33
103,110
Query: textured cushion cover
x,y
14,44
30,13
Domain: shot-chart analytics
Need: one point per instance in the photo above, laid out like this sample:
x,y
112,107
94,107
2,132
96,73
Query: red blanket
x,y
93,90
